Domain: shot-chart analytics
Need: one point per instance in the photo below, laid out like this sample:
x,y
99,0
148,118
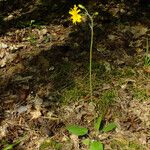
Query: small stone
x,y
22,109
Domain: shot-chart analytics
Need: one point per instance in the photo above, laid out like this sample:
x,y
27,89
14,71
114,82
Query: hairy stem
x,y
91,51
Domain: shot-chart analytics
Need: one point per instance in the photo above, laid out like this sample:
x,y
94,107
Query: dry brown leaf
x,y
75,140
148,90
3,130
35,114
3,46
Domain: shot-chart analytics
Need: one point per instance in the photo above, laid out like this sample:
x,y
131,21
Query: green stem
x,y
91,49
91,53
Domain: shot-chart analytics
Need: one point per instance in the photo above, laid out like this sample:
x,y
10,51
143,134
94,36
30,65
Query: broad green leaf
x,y
96,145
77,130
109,127
98,122
86,141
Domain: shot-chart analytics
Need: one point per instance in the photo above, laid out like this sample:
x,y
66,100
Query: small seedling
x,y
109,127
98,122
81,131
77,130
147,60
96,145
106,128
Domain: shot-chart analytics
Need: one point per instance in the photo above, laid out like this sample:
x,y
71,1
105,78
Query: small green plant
x,y
106,128
147,60
81,131
77,130
98,122
109,127
96,145
107,99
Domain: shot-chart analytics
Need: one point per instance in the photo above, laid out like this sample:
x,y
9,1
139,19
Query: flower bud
x,y
96,13
81,6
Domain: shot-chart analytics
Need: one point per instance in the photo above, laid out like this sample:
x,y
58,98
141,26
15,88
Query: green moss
x,y
50,144
71,94
101,68
119,144
122,144
124,72
108,96
147,60
140,94
116,72
106,100
136,146
32,39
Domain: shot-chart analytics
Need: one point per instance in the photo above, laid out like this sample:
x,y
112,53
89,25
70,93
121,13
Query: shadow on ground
x,y
19,14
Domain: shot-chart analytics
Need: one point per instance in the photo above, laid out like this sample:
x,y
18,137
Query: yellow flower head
x,y
75,16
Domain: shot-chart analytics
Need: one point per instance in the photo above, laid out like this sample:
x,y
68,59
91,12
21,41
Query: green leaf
x,y
96,145
77,130
109,127
98,122
86,141
9,147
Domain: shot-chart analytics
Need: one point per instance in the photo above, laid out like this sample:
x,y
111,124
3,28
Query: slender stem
x,y
91,52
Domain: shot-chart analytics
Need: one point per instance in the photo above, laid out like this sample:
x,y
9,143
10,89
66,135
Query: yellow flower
x,y
76,17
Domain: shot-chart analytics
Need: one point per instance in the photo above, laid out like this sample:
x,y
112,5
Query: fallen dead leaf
x,y
3,130
3,46
75,140
35,114
148,89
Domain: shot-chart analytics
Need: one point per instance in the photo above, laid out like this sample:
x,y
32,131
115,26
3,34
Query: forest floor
x,y
44,84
